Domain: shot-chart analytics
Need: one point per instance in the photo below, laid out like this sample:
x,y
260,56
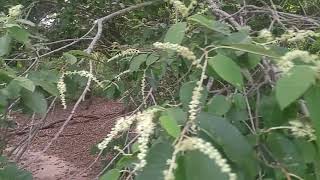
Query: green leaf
x,y
239,101
197,166
25,83
219,105
286,152
186,94
312,98
156,162
35,101
293,84
137,61
12,90
26,22
71,59
236,38
10,25
47,86
46,80
112,174
170,125
126,161
79,53
227,69
9,171
253,60
271,112
307,149
151,59
254,49
19,34
225,134
238,118
4,45
210,24
177,114
135,147
176,33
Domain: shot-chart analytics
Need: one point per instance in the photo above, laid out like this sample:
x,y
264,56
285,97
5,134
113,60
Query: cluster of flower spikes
x,y
127,52
182,8
62,88
298,35
286,61
181,50
143,85
195,143
195,102
300,129
266,34
289,36
15,11
145,128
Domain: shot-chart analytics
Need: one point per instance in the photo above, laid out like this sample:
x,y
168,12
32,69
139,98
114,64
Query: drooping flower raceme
x,y
145,128
121,125
300,129
304,56
285,65
195,102
286,62
181,50
15,11
143,85
61,86
127,52
180,7
299,35
195,143
266,34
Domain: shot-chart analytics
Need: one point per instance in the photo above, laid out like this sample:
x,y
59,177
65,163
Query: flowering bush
x,y
215,99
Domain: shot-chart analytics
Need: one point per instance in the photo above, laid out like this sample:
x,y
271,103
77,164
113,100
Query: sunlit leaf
x,y
219,105
197,166
35,101
210,24
151,59
186,94
26,83
225,134
176,33
19,34
170,125
26,22
293,84
137,61
112,174
71,59
227,69
5,45
254,49
156,162
312,98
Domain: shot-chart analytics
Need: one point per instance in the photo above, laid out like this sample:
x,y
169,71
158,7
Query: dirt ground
x,y
71,153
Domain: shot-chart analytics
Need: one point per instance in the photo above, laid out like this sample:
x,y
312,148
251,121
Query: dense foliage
x,y
220,90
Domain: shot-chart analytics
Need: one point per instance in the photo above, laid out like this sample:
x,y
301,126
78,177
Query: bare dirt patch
x,y
71,153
